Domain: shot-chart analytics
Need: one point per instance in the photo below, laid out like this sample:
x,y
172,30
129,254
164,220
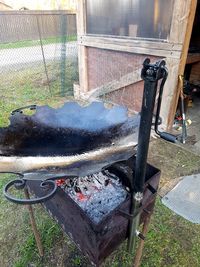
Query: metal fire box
x,y
97,241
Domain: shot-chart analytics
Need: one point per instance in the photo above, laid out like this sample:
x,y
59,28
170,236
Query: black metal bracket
x,y
20,110
151,189
130,216
153,72
126,214
20,184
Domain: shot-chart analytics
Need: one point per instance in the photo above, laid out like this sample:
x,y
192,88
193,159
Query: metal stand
x,y
20,184
151,74
34,225
138,255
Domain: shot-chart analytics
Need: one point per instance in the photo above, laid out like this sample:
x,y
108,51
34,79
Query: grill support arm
x,y
151,74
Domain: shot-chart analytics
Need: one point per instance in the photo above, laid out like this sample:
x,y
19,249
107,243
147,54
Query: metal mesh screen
x,y
38,58
115,76
134,18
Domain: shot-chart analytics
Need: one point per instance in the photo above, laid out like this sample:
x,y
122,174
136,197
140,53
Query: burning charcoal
x,y
97,194
60,182
77,189
128,189
106,182
68,182
81,197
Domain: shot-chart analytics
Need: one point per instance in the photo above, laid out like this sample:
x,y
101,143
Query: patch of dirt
x,y
173,161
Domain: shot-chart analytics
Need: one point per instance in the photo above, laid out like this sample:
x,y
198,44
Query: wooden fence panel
x,y
23,25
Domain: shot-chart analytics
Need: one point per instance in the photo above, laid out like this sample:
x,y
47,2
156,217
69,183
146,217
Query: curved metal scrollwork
x,y
20,184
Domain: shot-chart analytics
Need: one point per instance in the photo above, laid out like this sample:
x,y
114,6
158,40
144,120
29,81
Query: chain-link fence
x,y
38,57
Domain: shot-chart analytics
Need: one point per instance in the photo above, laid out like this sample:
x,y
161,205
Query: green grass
x,y
29,86
50,235
17,89
171,241
28,43
18,247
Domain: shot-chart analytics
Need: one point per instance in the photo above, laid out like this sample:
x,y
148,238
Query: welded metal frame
x,y
151,74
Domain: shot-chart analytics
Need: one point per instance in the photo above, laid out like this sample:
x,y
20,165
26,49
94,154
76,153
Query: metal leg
x,y
33,225
134,222
138,256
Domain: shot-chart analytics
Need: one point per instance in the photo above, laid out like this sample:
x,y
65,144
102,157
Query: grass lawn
x,y
171,241
29,86
28,43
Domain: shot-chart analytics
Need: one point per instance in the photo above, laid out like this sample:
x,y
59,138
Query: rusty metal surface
x,y
54,141
97,241
69,130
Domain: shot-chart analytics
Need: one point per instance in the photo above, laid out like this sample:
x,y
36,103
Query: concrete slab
x,y
184,198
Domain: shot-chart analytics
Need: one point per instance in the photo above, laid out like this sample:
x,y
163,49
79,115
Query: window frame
x,y
127,37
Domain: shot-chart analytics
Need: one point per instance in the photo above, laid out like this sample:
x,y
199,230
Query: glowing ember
x,y
97,194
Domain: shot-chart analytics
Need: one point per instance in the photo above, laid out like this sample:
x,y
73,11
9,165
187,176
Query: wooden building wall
x,y
110,67
115,70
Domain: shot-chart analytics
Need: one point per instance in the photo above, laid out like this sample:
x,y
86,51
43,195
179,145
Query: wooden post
x,y
82,50
185,39
140,248
33,225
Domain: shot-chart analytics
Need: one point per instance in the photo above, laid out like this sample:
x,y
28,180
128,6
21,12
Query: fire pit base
x,y
97,241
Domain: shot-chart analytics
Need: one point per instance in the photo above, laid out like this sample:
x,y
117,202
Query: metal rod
x,y
151,73
33,225
63,55
134,222
43,57
149,96
184,128
160,102
164,135
140,248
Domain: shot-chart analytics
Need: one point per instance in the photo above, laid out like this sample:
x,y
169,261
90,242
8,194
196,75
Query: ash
x,y
97,194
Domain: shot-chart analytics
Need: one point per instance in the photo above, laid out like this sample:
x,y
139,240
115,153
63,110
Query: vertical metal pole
x,y
43,56
33,225
151,73
184,128
63,55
